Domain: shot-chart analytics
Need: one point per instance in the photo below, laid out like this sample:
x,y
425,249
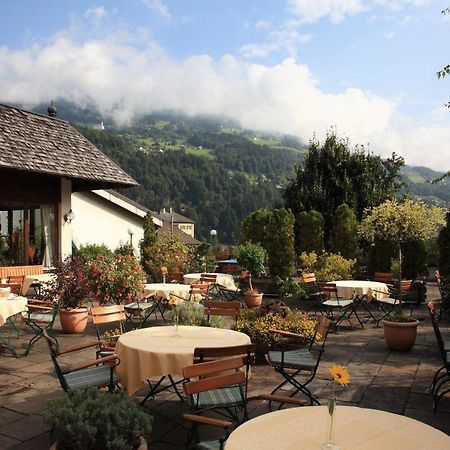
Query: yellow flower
x,y
174,301
340,375
164,270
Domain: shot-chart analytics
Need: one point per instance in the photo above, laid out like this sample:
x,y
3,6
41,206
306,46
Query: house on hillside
x,y
43,161
174,220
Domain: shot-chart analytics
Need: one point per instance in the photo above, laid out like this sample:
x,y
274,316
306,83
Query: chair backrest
x,y
321,330
208,278
383,277
15,288
203,354
329,291
309,278
54,356
198,291
437,332
111,314
214,375
222,308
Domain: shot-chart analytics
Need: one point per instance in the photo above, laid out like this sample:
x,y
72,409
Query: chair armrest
x,y
280,399
203,420
40,308
79,347
95,362
287,334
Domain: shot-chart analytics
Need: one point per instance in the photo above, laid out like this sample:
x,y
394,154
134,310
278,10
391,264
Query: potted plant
x,y
115,279
253,258
69,287
400,332
399,222
92,419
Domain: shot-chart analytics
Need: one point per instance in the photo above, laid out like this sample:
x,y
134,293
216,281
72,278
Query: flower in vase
x,y
340,375
174,301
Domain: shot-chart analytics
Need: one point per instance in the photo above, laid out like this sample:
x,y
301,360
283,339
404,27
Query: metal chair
x,y
390,306
211,444
219,385
442,375
93,373
18,280
14,288
40,317
139,311
218,292
293,361
208,278
314,293
332,302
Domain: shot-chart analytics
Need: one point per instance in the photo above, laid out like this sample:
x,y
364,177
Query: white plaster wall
x,y
65,235
98,221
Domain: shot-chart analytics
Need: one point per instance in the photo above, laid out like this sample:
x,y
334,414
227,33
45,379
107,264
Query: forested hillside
x,y
216,178
209,169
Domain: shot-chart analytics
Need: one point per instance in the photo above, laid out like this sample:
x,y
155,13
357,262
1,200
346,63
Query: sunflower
x,y
340,375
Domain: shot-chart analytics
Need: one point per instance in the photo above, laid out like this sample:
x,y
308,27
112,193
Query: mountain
x,y
208,168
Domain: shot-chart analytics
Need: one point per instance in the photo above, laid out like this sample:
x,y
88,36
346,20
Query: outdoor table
x,y
355,428
359,288
9,307
224,279
159,351
163,290
40,279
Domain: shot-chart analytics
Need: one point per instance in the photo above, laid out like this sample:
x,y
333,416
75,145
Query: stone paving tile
x,y
6,443
7,416
25,429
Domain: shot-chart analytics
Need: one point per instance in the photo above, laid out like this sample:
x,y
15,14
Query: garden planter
x,y
400,335
253,299
73,320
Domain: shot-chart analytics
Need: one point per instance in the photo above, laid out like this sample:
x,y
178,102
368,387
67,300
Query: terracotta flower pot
x,y
73,320
400,335
253,299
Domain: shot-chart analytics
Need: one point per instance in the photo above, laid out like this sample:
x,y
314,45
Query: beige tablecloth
x,y
346,288
154,352
224,279
40,278
356,428
12,306
163,290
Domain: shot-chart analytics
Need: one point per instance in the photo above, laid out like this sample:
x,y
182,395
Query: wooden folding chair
x,y
208,278
220,308
15,288
93,373
314,293
108,322
17,280
293,361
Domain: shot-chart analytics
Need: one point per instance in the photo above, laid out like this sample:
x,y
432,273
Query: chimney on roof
x,y
52,109
171,210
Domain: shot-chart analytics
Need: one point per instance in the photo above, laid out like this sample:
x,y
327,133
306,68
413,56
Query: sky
x,y
364,68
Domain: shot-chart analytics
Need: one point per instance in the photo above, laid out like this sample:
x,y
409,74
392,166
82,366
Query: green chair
x,y
93,373
40,317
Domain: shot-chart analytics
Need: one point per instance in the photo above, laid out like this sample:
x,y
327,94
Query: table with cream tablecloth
x,y
10,307
224,279
163,290
355,428
157,351
359,288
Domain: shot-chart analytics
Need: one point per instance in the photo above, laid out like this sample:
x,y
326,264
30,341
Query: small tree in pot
x,y
70,289
253,258
398,222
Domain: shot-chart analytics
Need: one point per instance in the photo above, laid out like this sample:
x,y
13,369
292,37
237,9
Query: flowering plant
x,y
117,279
339,375
69,285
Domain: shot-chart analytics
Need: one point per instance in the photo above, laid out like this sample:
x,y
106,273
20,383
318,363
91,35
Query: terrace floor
x,y
380,379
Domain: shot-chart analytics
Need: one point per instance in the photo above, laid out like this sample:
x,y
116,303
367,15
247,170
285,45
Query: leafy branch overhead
x,y
446,70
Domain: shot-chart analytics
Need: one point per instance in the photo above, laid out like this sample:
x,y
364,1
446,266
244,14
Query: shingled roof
x,y
40,144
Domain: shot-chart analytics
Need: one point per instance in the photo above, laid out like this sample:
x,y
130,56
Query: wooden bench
x,y
6,271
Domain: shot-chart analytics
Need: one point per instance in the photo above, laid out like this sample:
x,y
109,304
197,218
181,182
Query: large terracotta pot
x,y
400,335
253,299
73,320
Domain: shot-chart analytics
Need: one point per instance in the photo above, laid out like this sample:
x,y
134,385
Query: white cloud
x,y
389,35
125,81
309,11
159,7
263,25
95,13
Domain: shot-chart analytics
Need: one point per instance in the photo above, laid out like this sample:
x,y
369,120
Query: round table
x,y
163,290
348,288
225,279
11,306
157,351
356,428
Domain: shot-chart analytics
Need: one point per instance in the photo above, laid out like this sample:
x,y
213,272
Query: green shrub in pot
x,y
92,419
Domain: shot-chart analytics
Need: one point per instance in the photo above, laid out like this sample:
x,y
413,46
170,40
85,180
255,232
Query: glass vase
x,y
176,320
330,443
